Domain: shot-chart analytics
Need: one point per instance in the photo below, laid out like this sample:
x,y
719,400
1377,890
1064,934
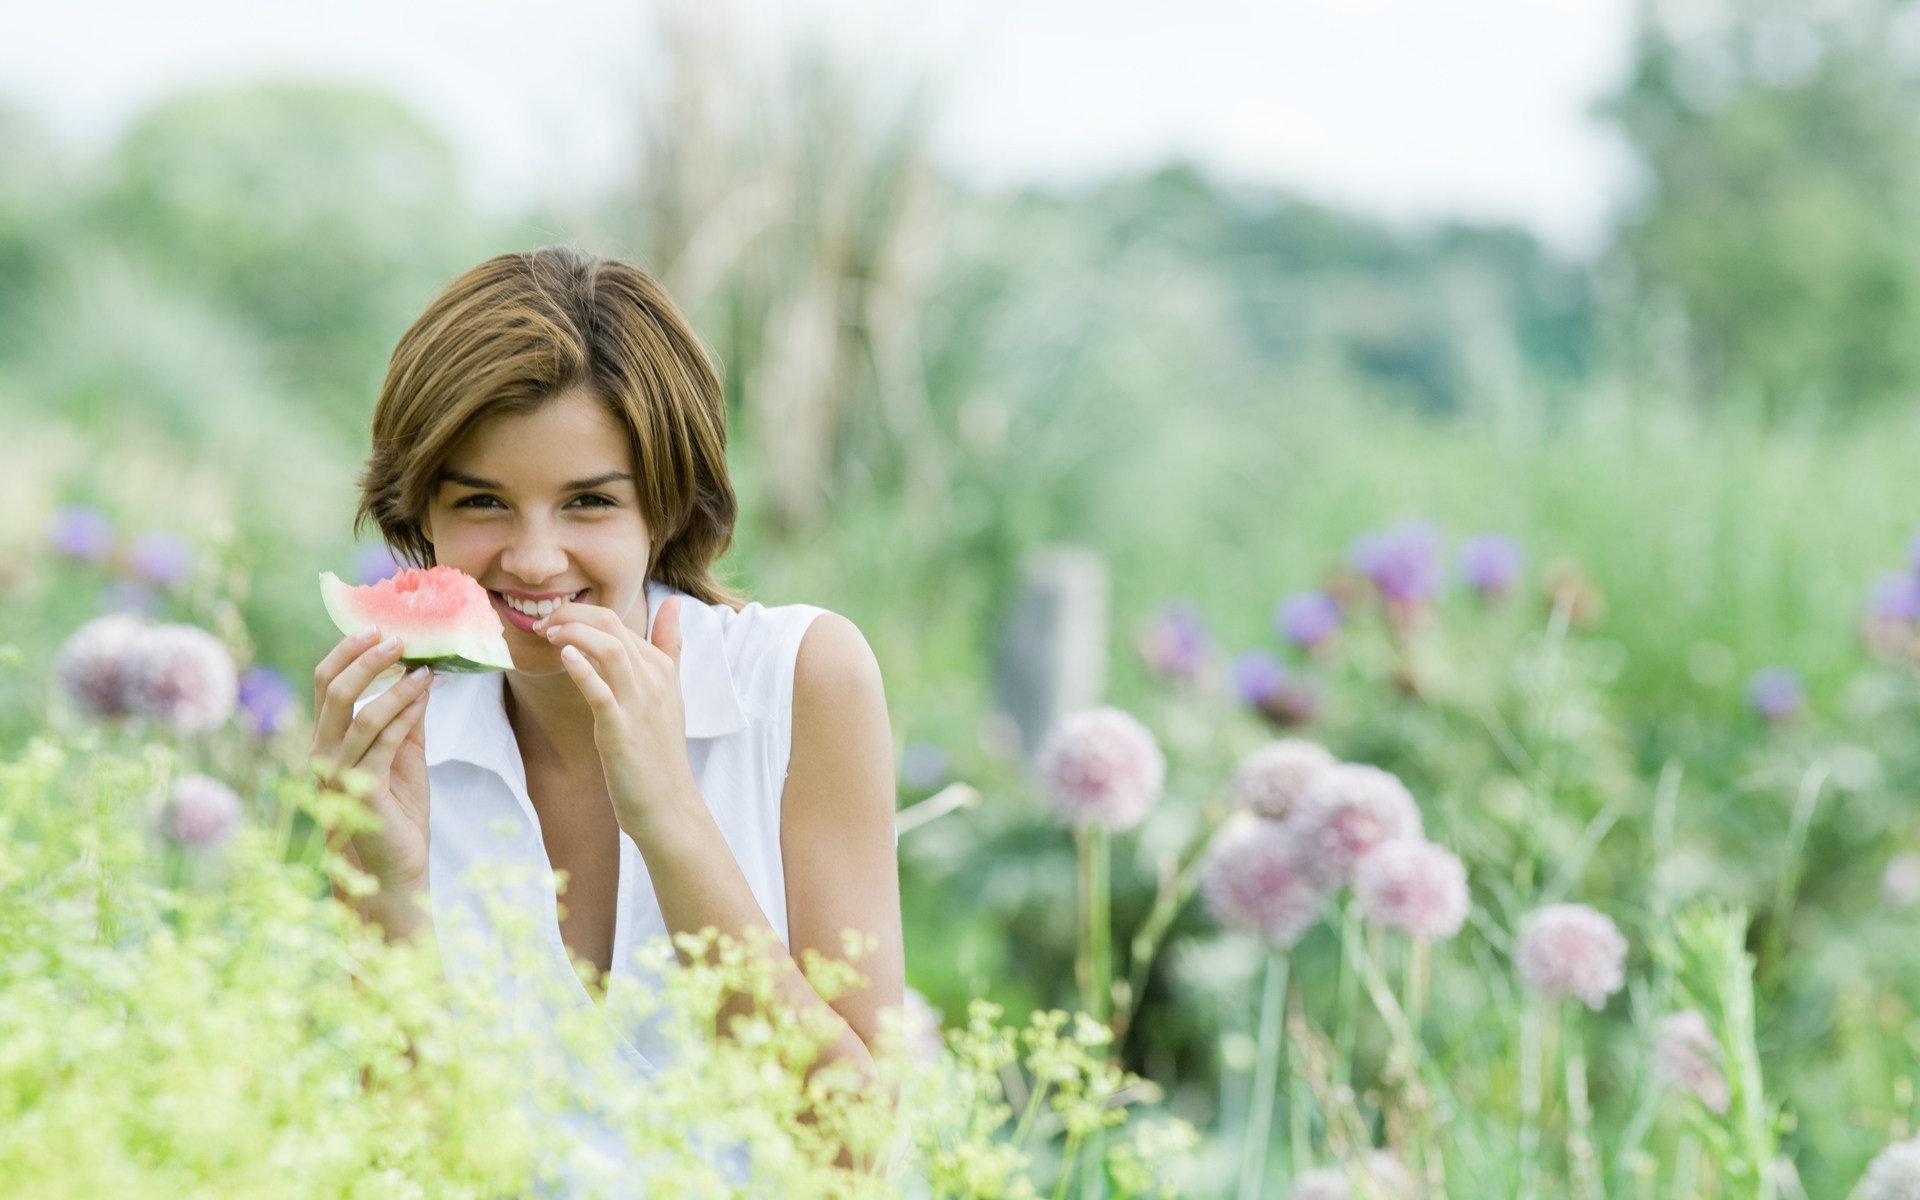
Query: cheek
x,y
466,545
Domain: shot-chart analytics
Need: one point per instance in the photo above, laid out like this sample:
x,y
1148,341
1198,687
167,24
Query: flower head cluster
x,y
1900,882
1491,564
1413,886
1269,781
81,533
1309,620
1403,562
162,559
1572,950
374,564
1256,879
1101,767
1321,1183
202,812
1285,698
1894,1174
176,676
1174,643
1687,1057
1890,622
1347,812
1777,694
266,701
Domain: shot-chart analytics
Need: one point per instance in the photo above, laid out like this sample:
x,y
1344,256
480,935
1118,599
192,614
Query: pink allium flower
x,y
1347,811
1321,1183
1687,1057
182,679
1893,1175
1174,642
93,663
1900,882
1413,886
1572,950
1101,767
202,812
1390,1178
1269,781
1255,879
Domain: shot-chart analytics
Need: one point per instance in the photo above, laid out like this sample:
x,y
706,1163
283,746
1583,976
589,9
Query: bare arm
x,y
837,823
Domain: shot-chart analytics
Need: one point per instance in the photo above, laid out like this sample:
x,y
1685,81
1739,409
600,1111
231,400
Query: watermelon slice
x,y
442,617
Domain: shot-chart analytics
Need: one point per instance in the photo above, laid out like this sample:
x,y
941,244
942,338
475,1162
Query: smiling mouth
x,y
522,614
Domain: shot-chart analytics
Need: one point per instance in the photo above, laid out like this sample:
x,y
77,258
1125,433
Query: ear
x,y
666,630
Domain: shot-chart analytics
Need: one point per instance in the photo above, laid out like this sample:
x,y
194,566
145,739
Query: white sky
x,y
1411,109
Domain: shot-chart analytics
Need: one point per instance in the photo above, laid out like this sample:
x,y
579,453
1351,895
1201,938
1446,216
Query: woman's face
x,y
541,508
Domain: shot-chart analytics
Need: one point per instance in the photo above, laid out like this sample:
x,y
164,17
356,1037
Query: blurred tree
x,y
323,218
32,186
792,215
1781,142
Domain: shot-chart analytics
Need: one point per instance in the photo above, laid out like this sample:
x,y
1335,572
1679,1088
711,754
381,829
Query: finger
x,y
379,711
378,759
608,652
336,661
336,703
598,695
666,630
585,614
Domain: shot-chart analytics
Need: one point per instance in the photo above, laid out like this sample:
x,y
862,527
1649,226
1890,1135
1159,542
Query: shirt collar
x,y
467,720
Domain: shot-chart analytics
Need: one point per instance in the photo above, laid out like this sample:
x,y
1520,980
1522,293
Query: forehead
x,y
573,436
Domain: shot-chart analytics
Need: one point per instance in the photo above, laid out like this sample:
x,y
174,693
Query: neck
x,y
550,717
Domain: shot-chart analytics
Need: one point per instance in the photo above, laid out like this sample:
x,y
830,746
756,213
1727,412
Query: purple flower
x,y
1174,642
1572,950
1894,598
81,533
1101,766
1900,882
1913,550
1687,1057
1403,562
266,702
202,812
93,662
1491,564
161,558
923,765
1255,878
1308,620
373,564
1269,781
1893,1175
1347,812
1776,694
182,679
1284,698
1413,886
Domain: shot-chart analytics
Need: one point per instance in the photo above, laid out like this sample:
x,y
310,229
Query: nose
x,y
535,554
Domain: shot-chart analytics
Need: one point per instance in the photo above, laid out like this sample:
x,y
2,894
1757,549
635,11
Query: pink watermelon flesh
x,y
441,615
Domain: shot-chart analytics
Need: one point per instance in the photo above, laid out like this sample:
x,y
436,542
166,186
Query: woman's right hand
x,y
385,745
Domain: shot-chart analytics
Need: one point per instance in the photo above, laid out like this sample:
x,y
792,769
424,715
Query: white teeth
x,y
539,608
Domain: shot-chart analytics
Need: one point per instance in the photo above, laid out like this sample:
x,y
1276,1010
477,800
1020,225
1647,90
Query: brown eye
x,y
480,501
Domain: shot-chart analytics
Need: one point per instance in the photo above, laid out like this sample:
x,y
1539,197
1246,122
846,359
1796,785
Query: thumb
x,y
666,629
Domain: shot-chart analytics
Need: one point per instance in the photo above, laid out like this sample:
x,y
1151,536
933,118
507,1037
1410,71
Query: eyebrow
x,y
488,485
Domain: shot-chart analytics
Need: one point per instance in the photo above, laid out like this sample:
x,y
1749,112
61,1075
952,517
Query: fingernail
x,y
392,643
369,631
419,672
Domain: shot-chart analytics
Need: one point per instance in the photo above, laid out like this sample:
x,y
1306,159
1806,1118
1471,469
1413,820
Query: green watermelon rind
x,y
461,654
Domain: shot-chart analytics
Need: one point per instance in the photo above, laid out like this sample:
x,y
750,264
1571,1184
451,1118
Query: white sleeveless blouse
x,y
736,676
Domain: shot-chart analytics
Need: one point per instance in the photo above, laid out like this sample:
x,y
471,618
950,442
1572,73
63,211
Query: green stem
x,y
1067,1158
1299,1099
1347,1032
1096,857
1530,1053
1791,855
1414,992
1266,1078
1581,1156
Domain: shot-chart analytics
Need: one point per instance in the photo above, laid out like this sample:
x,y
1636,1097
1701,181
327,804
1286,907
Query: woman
x,y
552,427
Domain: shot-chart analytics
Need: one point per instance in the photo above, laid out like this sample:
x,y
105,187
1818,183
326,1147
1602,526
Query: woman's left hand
x,y
632,684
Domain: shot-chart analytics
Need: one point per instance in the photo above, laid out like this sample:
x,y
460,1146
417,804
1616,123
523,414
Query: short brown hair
x,y
514,333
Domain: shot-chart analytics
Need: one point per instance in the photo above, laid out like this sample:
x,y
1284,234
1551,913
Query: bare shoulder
x,y
842,743
835,665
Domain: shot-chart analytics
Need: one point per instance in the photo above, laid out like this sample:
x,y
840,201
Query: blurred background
x,y
1200,293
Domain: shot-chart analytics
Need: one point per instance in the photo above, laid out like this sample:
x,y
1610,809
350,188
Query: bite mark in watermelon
x,y
442,617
